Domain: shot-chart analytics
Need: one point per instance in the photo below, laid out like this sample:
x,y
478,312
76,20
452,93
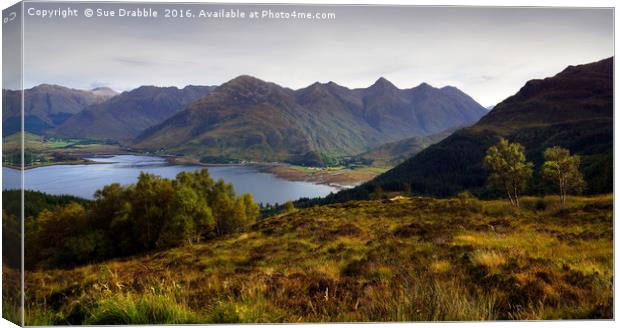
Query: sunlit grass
x,y
415,259
440,266
491,259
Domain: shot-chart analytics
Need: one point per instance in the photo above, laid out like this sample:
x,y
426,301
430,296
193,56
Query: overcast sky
x,y
488,53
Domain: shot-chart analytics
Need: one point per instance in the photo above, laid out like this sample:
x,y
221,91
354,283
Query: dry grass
x,y
415,259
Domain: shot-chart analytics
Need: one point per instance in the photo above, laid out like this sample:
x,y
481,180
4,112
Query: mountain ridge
x,y
250,119
129,113
46,106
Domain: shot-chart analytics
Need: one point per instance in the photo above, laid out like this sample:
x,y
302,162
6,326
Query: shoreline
x,y
36,166
335,177
339,178
82,161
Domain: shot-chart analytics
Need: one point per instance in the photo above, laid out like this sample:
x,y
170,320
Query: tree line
x,y
503,166
510,173
154,213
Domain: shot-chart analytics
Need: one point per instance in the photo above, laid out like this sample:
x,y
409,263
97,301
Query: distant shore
x,y
37,165
337,177
82,161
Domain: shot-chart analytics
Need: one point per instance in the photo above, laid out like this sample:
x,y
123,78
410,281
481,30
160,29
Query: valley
x,y
250,202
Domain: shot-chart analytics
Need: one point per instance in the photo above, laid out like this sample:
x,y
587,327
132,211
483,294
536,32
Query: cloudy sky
x,y
487,52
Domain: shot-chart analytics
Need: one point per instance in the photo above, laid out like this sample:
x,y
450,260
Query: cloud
x,y
135,61
98,84
487,52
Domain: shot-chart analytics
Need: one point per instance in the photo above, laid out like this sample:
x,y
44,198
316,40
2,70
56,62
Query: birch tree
x,y
562,170
508,170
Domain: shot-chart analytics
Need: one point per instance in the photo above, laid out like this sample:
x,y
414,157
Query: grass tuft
x,y
137,310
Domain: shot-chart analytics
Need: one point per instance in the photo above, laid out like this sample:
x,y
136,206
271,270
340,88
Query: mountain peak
x,y
452,90
425,85
101,89
313,91
246,79
319,85
321,90
316,84
147,89
383,83
246,82
104,92
47,86
333,84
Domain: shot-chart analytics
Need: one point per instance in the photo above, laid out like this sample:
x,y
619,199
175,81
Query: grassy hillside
x,y
381,260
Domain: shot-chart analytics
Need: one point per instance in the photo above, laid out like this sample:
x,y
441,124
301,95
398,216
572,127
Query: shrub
x,y
464,196
469,201
289,207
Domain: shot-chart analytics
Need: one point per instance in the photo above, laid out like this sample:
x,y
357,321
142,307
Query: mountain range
x,y
573,109
250,119
46,106
123,117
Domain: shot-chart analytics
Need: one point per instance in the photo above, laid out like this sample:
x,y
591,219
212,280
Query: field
x,y
337,176
405,259
42,151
